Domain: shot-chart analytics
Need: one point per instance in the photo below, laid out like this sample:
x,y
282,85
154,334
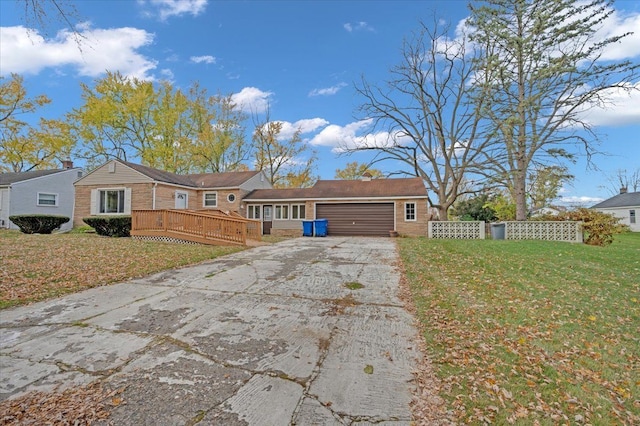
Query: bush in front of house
x,y
110,226
38,223
599,227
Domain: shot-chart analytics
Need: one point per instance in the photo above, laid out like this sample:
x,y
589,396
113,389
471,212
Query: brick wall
x,y
141,198
419,227
222,201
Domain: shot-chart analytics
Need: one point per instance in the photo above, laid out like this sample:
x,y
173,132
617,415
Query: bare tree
x,y
40,14
432,121
622,180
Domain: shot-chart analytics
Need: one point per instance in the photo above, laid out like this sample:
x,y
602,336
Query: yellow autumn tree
x,y
23,146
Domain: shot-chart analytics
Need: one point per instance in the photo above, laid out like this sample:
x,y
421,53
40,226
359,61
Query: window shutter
x,y
94,202
127,201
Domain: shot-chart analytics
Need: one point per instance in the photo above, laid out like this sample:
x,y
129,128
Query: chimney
x,y
366,177
67,164
623,189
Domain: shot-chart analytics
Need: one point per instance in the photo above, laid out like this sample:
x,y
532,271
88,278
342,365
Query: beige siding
x,y
258,181
122,175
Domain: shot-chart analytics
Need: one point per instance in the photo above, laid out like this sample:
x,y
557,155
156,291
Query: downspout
x,y
153,196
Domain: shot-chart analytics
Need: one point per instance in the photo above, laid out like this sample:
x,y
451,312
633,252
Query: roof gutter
x,y
359,199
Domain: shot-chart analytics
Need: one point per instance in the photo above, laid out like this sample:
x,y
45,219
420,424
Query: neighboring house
x,y
549,210
118,187
352,207
38,192
625,205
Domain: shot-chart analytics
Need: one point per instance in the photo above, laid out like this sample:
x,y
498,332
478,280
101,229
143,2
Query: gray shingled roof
x,y
221,180
630,199
323,189
280,194
201,180
9,178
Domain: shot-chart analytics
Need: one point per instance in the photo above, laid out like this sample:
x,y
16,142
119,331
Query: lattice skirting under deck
x,y
163,239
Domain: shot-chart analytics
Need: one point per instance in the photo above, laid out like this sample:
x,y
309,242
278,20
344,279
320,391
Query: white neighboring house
x,y
39,192
625,205
550,210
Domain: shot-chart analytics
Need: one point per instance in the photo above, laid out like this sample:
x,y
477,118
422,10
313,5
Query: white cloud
x,y
207,59
351,136
622,108
174,57
358,26
252,99
167,74
580,200
334,135
167,8
26,51
307,125
618,24
328,91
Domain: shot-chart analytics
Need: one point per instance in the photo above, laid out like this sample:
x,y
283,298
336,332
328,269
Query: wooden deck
x,y
201,226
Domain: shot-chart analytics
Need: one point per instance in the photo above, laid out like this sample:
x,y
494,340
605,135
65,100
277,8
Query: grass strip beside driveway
x,y
37,267
531,332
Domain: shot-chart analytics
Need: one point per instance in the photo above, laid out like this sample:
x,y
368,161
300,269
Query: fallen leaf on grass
x,y
82,405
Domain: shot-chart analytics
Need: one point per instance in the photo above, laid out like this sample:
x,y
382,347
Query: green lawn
x,y
531,331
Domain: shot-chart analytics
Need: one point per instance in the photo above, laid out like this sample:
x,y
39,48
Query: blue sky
x,y
299,57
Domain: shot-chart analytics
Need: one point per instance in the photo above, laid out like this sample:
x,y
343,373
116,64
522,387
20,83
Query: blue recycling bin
x,y
307,228
321,227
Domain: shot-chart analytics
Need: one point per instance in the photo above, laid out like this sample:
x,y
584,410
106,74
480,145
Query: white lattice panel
x,y
162,239
457,230
552,231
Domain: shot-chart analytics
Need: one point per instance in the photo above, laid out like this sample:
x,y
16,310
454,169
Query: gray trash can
x,y
498,231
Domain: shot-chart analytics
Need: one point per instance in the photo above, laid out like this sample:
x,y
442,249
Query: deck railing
x,y
209,227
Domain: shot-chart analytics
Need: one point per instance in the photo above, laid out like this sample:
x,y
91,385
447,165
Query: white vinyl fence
x,y
533,230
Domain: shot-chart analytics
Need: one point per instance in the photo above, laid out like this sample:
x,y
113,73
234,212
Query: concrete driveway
x,y
269,336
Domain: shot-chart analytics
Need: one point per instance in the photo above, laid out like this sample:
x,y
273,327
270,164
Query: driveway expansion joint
x,y
270,335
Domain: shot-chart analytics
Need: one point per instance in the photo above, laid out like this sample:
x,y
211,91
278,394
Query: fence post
x,y
164,219
579,233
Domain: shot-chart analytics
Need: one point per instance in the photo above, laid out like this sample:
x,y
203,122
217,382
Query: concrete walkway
x,y
268,336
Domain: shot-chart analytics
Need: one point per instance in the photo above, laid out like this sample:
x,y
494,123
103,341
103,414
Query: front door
x,y
182,200
267,218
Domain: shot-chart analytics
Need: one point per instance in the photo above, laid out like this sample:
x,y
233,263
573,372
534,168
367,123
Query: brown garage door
x,y
371,219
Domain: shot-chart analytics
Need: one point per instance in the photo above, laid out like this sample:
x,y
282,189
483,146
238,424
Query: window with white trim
x,y
111,201
298,211
47,199
210,199
282,212
253,212
409,212
231,198
632,216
